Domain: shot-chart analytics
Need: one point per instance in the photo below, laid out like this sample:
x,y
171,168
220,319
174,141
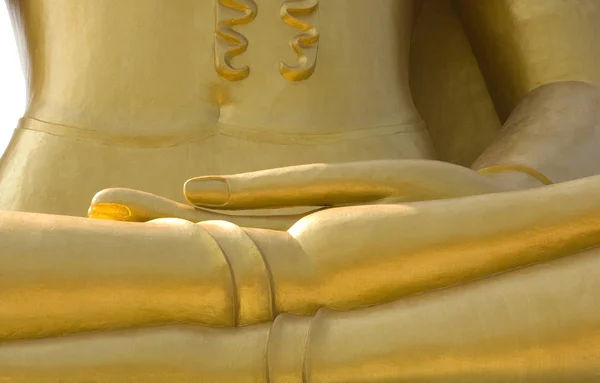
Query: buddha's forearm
x,y
536,324
555,130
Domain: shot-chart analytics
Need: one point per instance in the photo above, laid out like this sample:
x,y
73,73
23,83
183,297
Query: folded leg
x,y
539,324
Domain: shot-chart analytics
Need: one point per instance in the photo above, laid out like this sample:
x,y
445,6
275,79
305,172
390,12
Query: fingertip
x,y
207,191
110,211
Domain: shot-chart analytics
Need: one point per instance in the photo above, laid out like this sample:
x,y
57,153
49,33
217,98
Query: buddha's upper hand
x,y
313,186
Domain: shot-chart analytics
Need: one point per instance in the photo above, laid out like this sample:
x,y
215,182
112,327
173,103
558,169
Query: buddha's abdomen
x,y
127,93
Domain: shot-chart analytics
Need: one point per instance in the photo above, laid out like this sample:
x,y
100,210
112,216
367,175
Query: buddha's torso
x,y
124,93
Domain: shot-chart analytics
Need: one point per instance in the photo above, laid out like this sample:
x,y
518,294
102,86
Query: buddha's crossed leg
x,y
536,324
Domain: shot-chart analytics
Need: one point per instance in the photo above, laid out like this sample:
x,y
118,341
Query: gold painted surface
x,y
505,328
313,265
521,45
308,39
238,43
252,293
517,168
448,88
320,242
567,116
132,86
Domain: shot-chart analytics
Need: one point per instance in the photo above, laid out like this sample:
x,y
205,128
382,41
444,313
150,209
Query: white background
x,y
12,83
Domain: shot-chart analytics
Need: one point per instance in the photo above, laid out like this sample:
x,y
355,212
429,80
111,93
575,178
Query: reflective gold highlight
x,y
239,43
309,39
424,209
110,211
518,168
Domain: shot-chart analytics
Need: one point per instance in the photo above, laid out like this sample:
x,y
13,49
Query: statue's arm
x,y
67,275
539,60
537,324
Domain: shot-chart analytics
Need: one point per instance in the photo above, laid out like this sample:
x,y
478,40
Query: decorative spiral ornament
x,y
289,13
237,42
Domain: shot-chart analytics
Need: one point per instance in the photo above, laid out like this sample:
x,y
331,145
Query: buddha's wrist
x,y
554,130
252,295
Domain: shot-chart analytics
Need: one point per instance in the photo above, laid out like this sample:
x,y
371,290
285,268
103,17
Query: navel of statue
x,y
398,268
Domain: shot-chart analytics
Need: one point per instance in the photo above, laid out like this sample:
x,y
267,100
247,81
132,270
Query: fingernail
x,y
208,192
109,211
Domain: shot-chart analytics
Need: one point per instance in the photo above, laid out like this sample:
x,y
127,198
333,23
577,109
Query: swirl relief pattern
x,y
230,43
301,15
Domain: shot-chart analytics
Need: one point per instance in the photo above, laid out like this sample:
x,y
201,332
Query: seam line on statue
x,y
248,134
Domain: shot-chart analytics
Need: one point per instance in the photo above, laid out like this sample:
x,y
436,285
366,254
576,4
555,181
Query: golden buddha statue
x,y
351,239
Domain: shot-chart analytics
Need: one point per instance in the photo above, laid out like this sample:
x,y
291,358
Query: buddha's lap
x,y
332,251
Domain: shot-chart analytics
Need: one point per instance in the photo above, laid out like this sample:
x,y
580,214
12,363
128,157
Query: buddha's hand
x,y
315,185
